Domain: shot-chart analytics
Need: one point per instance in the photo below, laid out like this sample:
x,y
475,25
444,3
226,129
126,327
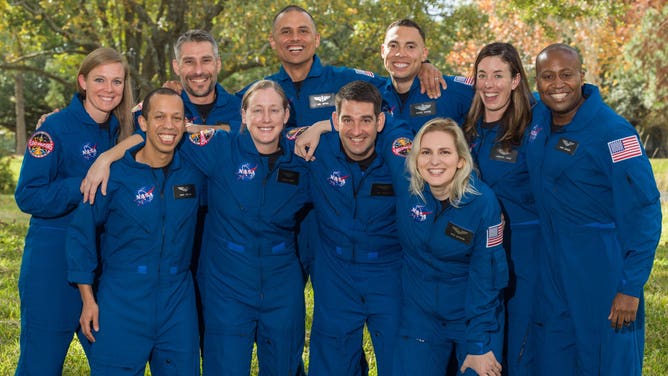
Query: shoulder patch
x,y
40,144
402,146
624,148
293,133
138,107
366,73
464,80
202,137
495,235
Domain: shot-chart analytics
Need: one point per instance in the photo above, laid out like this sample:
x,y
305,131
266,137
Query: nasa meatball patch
x,y
40,144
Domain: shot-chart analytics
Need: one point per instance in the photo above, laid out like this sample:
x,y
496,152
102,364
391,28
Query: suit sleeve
x,y
205,149
488,275
637,211
81,241
43,190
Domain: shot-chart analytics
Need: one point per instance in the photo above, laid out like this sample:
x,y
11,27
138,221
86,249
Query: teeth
x,y
401,65
167,138
357,139
265,129
199,80
436,171
559,96
295,49
490,95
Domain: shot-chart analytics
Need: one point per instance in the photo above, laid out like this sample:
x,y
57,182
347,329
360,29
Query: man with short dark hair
x,y
600,216
144,306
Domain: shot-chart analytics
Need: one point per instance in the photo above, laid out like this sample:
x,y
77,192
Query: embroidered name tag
x,y
184,191
500,154
423,109
567,146
378,189
459,233
321,100
288,177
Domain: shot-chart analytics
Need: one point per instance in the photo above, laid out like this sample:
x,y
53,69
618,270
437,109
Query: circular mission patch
x,y
40,144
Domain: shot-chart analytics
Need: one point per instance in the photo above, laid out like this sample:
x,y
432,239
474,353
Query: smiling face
x,y
294,38
559,80
265,117
104,86
495,84
164,124
438,161
198,68
358,128
403,52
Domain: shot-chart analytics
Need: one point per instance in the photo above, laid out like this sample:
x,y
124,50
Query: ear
x,y
286,117
142,123
516,81
317,40
243,117
380,121
82,81
219,65
175,66
272,41
461,163
335,120
425,53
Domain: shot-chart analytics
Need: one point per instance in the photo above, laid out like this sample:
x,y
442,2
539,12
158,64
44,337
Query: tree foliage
x,y
46,40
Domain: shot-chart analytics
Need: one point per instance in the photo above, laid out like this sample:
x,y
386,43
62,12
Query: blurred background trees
x,y
624,45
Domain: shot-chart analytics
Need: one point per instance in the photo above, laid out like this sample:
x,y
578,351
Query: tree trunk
x,y
20,113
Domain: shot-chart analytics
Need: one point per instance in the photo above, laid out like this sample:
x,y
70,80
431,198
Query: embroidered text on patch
x,y
40,144
624,148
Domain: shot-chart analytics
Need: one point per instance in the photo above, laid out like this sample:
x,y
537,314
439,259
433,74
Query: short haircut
x,y
196,35
559,47
146,104
408,23
292,8
359,91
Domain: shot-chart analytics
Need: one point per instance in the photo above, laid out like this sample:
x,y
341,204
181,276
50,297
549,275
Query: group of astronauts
x,y
474,228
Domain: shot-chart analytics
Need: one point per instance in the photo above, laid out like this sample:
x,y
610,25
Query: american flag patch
x,y
464,80
624,148
495,235
366,73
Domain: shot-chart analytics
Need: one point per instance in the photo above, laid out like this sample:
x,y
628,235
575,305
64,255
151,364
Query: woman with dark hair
x,y
496,131
55,162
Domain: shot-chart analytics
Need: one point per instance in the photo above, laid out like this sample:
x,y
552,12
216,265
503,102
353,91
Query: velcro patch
x,y
202,137
40,144
402,146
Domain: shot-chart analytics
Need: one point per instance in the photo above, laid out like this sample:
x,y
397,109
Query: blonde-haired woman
x,y
56,160
451,230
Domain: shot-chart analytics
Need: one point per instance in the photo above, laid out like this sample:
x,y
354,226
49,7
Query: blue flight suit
x,y
600,218
312,100
356,271
250,276
57,158
146,295
226,110
506,172
454,271
418,108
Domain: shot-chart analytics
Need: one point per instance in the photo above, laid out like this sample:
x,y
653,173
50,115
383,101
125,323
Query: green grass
x,y
14,224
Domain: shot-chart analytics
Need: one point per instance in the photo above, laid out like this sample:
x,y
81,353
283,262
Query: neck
x,y
100,117
154,159
441,193
298,72
402,85
266,148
